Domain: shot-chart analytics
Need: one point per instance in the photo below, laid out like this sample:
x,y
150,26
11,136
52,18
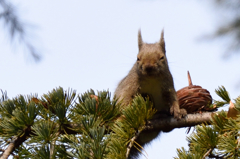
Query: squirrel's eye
x,y
138,59
161,57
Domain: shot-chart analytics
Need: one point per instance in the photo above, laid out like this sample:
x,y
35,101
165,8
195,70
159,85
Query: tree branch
x,y
170,123
16,142
165,124
17,28
9,150
206,154
161,123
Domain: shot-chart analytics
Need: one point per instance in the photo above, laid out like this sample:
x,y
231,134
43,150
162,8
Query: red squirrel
x,y
150,76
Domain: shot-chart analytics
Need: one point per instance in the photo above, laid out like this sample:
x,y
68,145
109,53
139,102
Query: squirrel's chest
x,y
153,88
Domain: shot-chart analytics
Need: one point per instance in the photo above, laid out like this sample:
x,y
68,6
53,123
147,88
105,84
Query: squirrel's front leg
x,y
176,111
174,105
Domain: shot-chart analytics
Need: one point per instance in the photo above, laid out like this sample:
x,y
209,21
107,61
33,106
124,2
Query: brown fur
x,y
150,76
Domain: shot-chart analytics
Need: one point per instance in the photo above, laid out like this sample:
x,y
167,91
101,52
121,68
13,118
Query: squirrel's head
x,y
151,59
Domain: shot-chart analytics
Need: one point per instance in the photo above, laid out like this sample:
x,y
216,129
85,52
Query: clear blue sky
x,y
93,44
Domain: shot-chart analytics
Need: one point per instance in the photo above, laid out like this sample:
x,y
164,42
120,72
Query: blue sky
x,y
93,44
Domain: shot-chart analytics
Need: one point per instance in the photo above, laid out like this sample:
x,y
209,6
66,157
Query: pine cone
x,y
194,98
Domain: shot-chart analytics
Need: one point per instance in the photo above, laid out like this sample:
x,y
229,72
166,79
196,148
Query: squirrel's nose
x,y
149,68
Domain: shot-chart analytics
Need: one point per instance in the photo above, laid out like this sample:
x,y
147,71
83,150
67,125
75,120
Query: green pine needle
x,y
222,92
44,132
18,115
205,136
229,144
4,96
237,103
219,121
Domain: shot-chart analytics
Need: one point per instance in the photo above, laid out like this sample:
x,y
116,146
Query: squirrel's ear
x,y
140,42
162,42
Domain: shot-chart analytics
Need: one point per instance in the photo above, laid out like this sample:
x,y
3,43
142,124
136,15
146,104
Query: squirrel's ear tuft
x,y
140,42
162,42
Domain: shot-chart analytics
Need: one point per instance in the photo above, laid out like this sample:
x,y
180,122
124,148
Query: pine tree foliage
x,y
16,28
62,124
222,92
220,139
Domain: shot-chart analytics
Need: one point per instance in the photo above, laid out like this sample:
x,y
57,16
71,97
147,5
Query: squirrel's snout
x,y
149,68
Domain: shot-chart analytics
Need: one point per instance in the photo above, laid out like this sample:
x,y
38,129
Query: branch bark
x,y
16,142
170,123
9,150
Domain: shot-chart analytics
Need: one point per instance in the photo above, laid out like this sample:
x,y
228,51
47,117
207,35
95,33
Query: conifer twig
x,y
9,150
17,29
164,123
170,122
131,143
16,142
207,153
52,145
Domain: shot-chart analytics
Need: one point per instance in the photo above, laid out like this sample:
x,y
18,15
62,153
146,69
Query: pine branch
x,y
15,143
222,92
170,123
17,29
52,146
9,150
163,124
90,117
131,143
206,154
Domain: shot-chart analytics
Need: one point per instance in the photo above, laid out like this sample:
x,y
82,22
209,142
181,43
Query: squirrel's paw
x,y
178,113
183,112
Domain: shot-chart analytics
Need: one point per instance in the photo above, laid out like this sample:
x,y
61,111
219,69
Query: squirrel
x,y
150,76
